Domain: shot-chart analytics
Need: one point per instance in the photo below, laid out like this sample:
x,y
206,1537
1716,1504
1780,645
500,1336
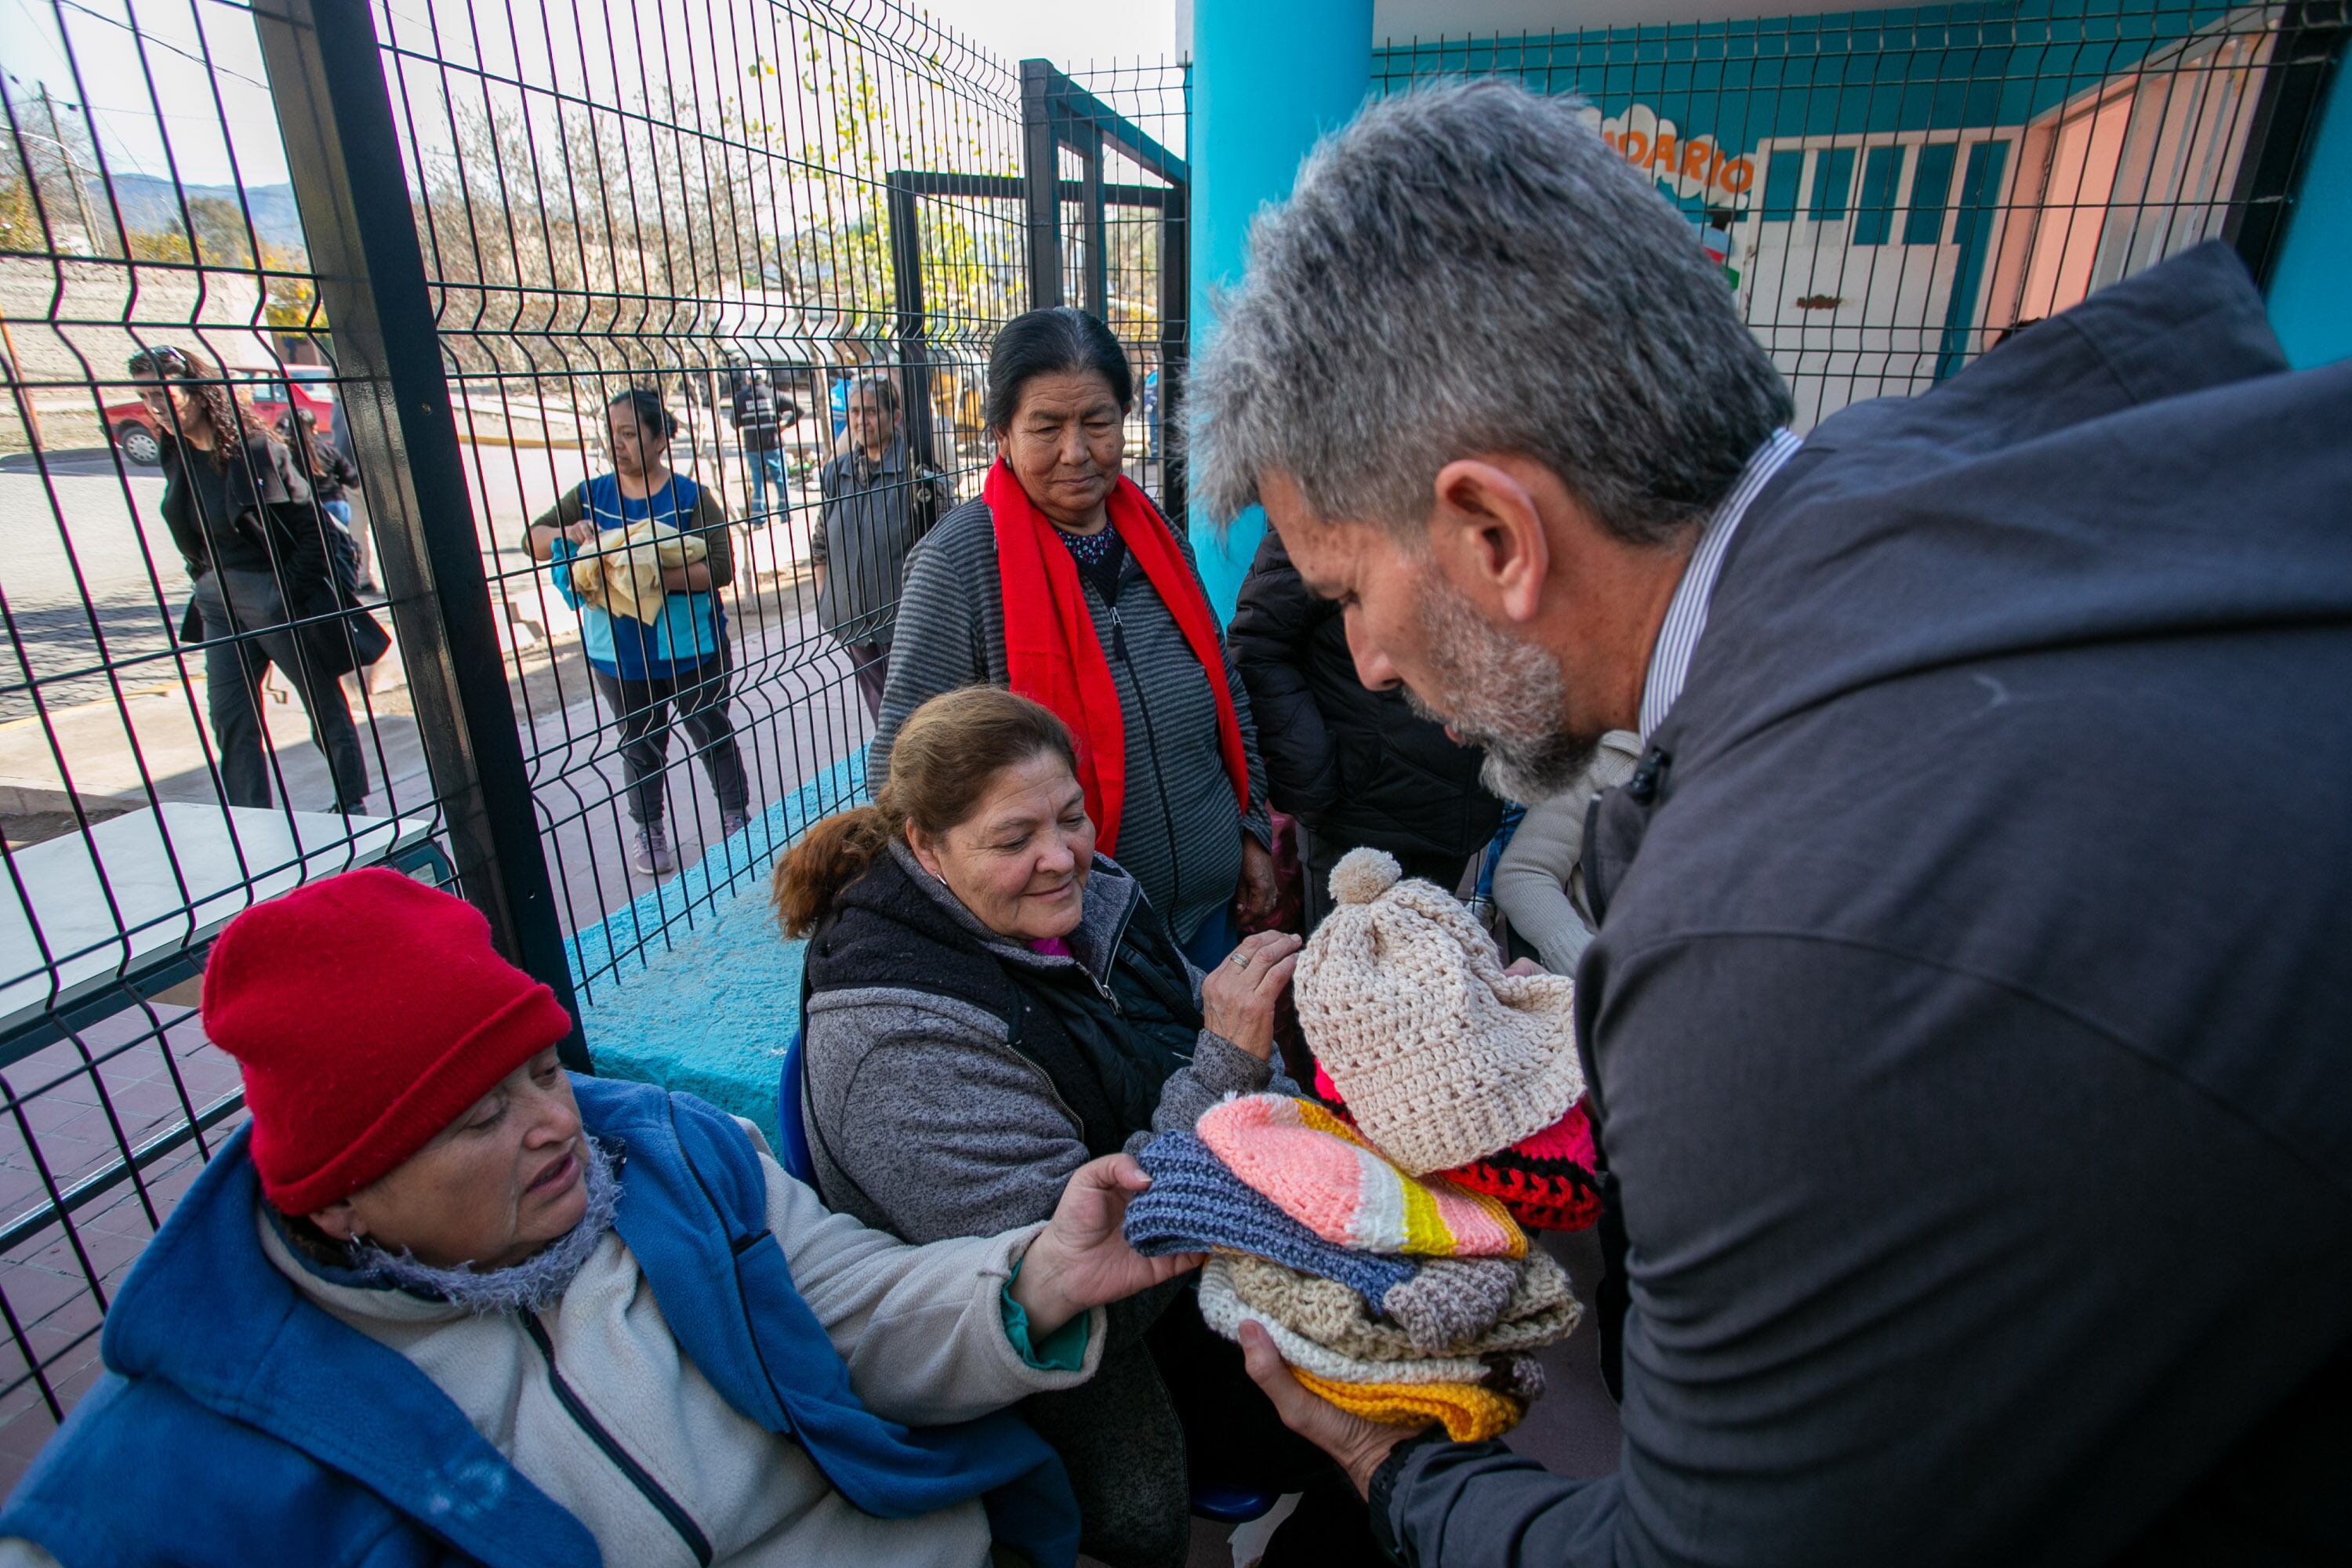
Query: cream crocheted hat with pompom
x,y
1441,1057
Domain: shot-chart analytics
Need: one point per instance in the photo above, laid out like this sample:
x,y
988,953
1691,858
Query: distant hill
x,y
154,206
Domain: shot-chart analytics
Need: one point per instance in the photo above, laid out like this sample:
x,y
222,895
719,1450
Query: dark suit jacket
x,y
1970,1023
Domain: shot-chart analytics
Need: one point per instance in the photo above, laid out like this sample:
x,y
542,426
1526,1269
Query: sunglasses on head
x,y
162,362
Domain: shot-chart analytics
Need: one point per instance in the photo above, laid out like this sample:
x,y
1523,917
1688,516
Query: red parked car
x,y
132,428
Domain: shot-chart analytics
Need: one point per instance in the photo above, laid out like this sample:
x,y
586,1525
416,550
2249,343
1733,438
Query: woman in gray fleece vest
x,y
989,1005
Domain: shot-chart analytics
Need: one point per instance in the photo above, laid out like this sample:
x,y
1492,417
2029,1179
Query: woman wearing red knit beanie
x,y
444,1297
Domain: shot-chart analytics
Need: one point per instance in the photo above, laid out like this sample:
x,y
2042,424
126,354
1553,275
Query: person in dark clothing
x,y
1354,766
1966,1023
879,504
988,1004
334,477
241,509
761,417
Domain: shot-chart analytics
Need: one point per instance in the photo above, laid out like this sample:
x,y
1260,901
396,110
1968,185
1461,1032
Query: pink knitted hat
x,y
1318,1170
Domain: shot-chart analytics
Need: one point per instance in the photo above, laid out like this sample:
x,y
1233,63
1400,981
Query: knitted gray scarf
x,y
533,1285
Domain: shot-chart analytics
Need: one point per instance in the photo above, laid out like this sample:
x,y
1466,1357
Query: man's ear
x,y
339,1220
1487,535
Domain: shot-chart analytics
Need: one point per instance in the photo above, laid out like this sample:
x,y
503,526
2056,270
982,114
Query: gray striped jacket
x,y
1179,833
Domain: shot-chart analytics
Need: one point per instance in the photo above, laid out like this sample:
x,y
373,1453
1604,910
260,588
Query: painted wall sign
x,y
1693,167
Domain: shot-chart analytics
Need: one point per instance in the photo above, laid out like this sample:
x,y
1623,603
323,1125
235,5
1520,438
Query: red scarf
x,y
1052,655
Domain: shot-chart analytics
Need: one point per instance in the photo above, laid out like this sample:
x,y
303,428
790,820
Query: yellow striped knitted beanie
x,y
1472,1415
1443,1058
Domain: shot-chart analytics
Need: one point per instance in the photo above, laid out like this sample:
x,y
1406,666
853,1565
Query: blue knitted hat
x,y
1195,1205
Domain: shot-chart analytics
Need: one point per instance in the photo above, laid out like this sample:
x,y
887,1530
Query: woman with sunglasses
x,y
241,508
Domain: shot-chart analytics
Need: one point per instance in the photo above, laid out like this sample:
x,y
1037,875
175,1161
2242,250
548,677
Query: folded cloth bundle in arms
x,y
621,571
1321,1173
1195,1205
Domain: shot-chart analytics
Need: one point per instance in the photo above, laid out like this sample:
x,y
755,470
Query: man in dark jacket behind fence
x,y
878,503
1966,1028
1354,766
761,417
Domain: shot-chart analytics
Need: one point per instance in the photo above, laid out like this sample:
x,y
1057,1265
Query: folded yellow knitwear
x,y
1470,1415
1540,1310
622,573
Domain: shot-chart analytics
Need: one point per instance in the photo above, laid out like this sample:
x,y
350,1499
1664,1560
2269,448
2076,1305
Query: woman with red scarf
x,y
1064,583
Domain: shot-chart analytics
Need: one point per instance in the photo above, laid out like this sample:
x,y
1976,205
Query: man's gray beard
x,y
1504,695
533,1285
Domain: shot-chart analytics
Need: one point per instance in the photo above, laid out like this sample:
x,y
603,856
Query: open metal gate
x,y
1073,219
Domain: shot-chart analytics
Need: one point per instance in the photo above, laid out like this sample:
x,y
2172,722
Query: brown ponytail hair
x,y
944,762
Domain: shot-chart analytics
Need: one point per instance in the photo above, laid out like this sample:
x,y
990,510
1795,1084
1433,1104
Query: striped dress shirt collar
x,y
1686,619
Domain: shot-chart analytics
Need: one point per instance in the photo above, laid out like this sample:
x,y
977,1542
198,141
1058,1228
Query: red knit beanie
x,y
367,1011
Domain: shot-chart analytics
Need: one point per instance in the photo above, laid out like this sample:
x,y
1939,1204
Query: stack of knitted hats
x,y
1401,1298
1445,1063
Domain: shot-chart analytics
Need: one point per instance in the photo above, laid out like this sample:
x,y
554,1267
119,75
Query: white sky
x,y
1062,31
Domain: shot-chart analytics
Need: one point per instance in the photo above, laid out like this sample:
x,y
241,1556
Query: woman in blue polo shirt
x,y
679,660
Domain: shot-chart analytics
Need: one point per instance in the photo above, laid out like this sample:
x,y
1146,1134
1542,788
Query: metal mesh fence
x,y
183,598
514,265
1143,304
693,201
1889,192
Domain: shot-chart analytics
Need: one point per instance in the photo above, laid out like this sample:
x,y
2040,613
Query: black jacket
x,y
317,451
760,415
1970,1027
1353,764
274,508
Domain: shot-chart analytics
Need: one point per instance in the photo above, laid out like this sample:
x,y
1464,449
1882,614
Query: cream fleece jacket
x,y
919,1327
1536,883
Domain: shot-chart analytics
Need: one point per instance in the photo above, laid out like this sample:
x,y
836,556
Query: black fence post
x,y
2303,63
1041,167
1175,308
906,286
342,149
1096,231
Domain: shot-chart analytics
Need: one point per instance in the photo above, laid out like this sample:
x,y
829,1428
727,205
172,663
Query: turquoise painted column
x,y
1267,79
2310,294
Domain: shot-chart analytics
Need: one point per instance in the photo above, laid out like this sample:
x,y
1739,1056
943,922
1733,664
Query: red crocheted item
x,y
1544,1180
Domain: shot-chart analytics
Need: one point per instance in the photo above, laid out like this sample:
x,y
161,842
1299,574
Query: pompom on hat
x,y
366,1012
1441,1057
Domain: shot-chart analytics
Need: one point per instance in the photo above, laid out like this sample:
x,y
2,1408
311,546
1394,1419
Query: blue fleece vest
x,y
241,1424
